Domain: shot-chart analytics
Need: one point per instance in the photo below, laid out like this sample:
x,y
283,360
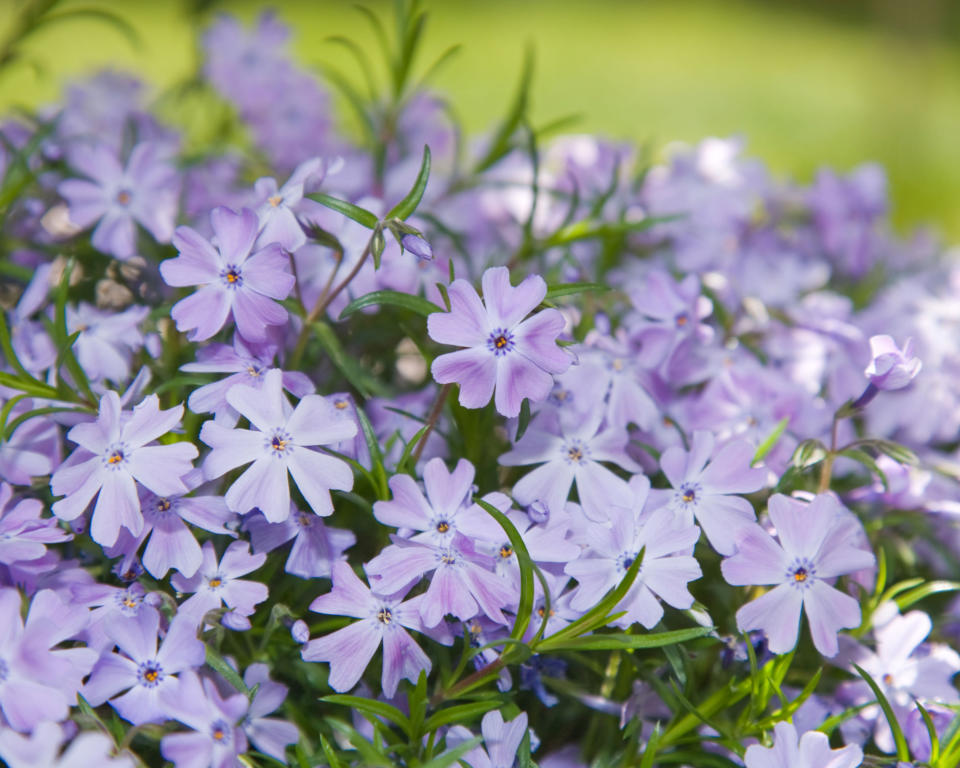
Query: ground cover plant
x,y
353,440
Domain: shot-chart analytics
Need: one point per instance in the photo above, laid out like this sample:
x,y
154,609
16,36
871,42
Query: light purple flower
x,y
106,341
705,482
668,564
145,193
114,455
23,533
501,739
41,749
233,280
890,367
570,451
504,352
270,735
279,442
31,343
216,583
37,681
812,750
276,207
217,739
140,669
382,621
33,449
815,547
316,547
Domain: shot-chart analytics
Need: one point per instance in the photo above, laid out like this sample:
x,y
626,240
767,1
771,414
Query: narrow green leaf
x,y
897,452
588,229
907,599
867,460
460,713
525,606
372,708
15,423
771,440
218,664
328,752
376,455
453,755
408,205
931,733
10,355
351,211
369,754
650,750
7,408
610,642
35,389
500,142
394,298
410,447
903,752
524,419
569,289
360,379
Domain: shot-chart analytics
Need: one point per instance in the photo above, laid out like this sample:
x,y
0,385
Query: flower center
x,y
123,197
505,551
541,612
275,200
575,452
340,404
128,601
304,521
626,560
682,319
220,731
688,493
115,457
617,364
216,582
150,674
801,573
232,276
279,444
443,526
448,557
888,680
163,505
254,371
384,615
500,342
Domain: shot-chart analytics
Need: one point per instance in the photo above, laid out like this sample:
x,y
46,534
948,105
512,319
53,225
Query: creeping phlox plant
x,y
344,440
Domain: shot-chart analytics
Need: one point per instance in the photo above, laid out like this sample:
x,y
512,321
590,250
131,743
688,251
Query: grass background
x,y
834,82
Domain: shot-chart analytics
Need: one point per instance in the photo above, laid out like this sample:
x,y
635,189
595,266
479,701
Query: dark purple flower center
x,y
124,197
384,615
575,452
560,396
340,404
231,276
254,371
128,602
280,443
275,200
448,557
215,582
689,493
163,505
150,674
221,731
505,551
801,573
500,342
115,457
626,560
443,526
681,319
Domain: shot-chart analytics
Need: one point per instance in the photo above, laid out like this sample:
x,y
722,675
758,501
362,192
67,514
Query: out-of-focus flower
x,y
812,750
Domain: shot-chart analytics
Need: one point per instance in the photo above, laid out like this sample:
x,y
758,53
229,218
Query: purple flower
x,y
812,750
113,457
145,193
315,547
247,363
890,367
33,449
140,669
275,208
501,739
705,482
668,564
216,583
504,352
106,341
463,583
23,533
382,621
815,546
278,443
41,748
268,734
217,739
39,682
233,280
571,451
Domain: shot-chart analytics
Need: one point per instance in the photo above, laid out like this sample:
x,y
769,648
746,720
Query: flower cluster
x,y
414,454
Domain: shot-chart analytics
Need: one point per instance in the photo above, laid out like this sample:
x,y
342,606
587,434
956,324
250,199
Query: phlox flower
x,y
276,207
31,343
33,449
144,192
142,670
890,367
270,735
23,533
815,546
383,620
570,451
705,482
233,279
279,442
812,750
114,455
106,341
316,547
216,583
217,738
501,740
666,542
504,356
41,749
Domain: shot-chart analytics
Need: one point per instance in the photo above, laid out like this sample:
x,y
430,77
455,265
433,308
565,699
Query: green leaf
x,y
500,142
461,713
524,419
394,298
907,599
621,641
328,752
371,708
29,386
568,289
351,211
808,453
903,752
767,445
931,733
899,453
650,750
218,664
588,228
360,379
453,755
867,460
410,447
377,243
376,455
408,205
525,606
13,425
369,754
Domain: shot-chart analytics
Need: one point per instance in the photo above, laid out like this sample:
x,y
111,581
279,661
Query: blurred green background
x,y
820,82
